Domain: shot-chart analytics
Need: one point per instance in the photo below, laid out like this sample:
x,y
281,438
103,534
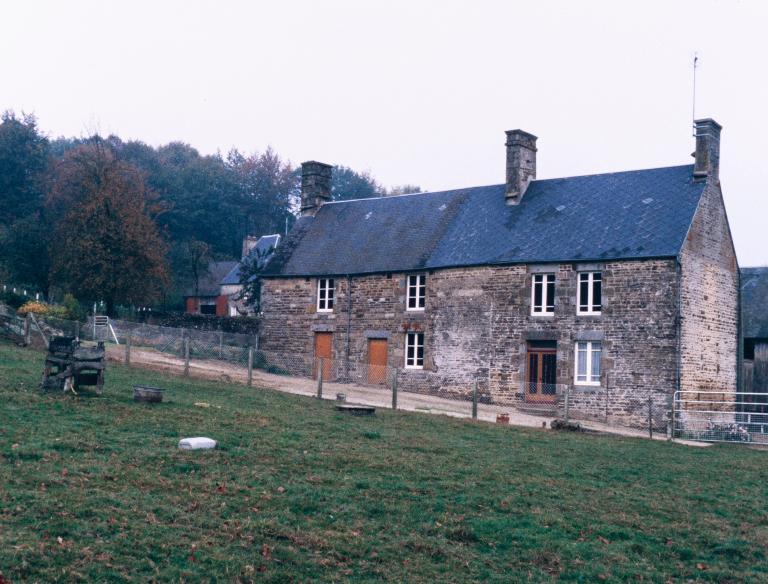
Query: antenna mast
x,y
693,108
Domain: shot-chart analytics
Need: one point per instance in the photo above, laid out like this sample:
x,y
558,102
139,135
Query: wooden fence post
x,y
128,350
320,372
474,400
394,388
650,417
27,329
221,344
567,412
186,357
250,366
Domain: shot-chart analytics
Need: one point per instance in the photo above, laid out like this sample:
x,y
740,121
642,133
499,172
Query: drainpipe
x,y
349,325
679,324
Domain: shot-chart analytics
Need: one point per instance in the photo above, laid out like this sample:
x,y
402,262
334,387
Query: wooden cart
x,y
70,367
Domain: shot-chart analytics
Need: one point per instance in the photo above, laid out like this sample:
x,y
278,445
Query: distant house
x,y
621,286
260,248
754,307
206,297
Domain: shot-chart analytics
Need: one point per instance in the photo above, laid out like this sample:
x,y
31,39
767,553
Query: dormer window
x,y
543,295
326,292
417,292
590,294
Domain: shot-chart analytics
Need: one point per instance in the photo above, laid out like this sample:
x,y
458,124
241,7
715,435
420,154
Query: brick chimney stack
x,y
521,164
315,186
707,153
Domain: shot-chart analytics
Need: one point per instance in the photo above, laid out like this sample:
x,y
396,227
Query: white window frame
x,y
543,279
590,292
590,349
326,285
418,284
414,339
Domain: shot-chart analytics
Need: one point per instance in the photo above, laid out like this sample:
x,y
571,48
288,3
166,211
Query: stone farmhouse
x,y
614,286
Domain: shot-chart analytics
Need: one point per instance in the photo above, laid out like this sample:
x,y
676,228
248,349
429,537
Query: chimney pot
x,y
707,153
315,186
521,164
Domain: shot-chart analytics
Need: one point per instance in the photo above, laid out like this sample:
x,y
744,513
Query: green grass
x,y
94,489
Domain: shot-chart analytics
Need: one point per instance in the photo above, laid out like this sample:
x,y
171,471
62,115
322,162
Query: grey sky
x,y
415,92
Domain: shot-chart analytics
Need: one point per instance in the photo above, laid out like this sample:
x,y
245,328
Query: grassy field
x,y
94,489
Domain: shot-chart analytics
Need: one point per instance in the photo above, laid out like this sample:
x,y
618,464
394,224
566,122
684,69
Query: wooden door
x,y
323,350
542,375
377,360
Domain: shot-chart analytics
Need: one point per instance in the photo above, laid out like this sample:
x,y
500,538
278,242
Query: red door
x,y
377,361
323,350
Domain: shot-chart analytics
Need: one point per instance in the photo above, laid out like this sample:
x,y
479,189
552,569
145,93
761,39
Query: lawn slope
x,y
94,489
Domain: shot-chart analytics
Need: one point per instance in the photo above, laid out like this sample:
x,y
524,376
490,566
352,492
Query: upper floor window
x,y
543,294
588,354
326,292
417,292
590,296
414,350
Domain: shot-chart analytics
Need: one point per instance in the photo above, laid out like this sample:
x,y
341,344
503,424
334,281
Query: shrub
x,y
75,310
34,307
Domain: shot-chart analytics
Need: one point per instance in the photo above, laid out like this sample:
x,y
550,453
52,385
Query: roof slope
x,y
754,298
623,215
263,246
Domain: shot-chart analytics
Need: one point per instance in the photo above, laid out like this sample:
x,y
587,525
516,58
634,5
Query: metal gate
x,y
718,416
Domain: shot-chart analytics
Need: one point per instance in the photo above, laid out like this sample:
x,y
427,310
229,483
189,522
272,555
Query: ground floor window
x,y
207,309
588,354
414,350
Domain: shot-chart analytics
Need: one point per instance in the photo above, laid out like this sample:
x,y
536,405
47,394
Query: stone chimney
x,y
521,164
315,186
707,153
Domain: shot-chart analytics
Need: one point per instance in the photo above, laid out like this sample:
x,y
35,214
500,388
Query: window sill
x,y
587,384
414,309
414,367
324,311
550,314
589,314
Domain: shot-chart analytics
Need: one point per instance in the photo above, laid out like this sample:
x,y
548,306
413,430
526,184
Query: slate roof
x,y
622,215
263,245
209,281
754,298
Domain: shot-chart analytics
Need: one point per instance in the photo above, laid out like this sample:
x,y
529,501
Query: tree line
x,y
127,223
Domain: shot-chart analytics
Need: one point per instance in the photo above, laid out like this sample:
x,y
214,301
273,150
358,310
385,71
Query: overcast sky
x,y
414,92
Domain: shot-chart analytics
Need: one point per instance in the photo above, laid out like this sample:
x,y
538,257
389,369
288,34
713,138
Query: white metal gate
x,y
718,416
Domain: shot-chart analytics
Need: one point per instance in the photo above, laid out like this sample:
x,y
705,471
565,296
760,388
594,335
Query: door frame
x,y
540,352
379,377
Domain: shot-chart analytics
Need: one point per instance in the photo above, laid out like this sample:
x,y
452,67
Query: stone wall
x,y
709,300
477,324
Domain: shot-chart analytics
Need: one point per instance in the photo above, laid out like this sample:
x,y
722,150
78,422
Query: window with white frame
x,y
588,355
414,350
325,294
543,294
590,293
417,292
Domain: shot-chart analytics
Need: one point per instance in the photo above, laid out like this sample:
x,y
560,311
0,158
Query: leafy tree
x,y
106,245
348,184
190,261
26,251
404,190
24,159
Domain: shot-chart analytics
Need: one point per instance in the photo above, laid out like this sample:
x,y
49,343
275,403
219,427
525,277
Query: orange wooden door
x,y
542,376
323,350
377,360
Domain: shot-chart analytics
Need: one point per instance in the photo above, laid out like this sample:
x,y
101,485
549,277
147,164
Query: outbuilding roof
x,y
754,299
264,247
621,215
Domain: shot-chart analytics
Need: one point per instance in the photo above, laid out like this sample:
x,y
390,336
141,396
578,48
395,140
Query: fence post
x,y
567,411
221,344
320,372
672,417
250,366
186,357
474,400
27,329
128,350
650,417
77,329
394,388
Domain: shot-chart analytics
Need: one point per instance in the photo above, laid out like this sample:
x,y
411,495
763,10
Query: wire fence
x,y
237,357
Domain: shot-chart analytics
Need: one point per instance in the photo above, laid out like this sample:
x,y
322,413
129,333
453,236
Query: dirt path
x,y
358,394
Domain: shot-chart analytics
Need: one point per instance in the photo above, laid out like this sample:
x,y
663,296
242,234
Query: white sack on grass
x,y
199,443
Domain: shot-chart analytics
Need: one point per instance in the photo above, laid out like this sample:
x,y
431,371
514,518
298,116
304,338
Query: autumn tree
x,y
106,245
